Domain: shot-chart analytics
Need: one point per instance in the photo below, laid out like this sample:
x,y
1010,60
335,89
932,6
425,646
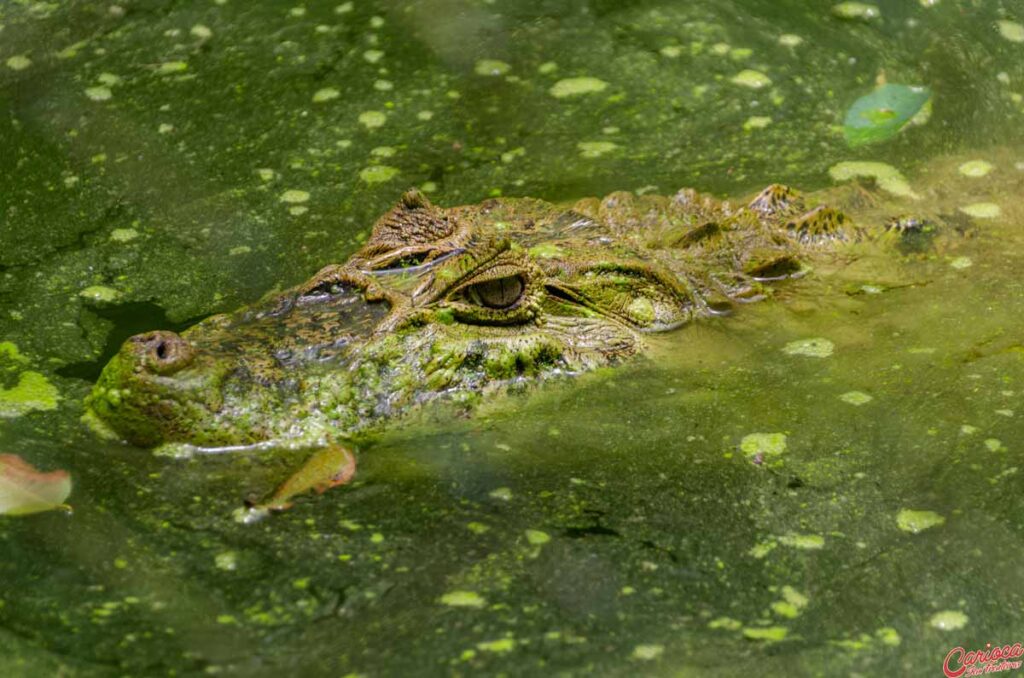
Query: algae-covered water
x,y
825,484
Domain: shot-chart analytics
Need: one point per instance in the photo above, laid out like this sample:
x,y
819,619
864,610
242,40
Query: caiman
x,y
453,303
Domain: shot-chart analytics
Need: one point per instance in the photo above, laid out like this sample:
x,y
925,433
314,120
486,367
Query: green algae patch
x,y
100,293
856,398
914,522
766,633
9,350
792,604
372,119
647,652
378,174
491,67
226,561
571,87
752,79
294,196
502,493
886,176
32,392
537,537
948,620
784,609
510,156
762,549
982,210
858,644
887,635
767,444
756,122
498,646
326,94
595,149
98,93
172,68
123,234
1011,30
856,11
726,623
975,168
18,62
811,348
807,542
463,599
994,445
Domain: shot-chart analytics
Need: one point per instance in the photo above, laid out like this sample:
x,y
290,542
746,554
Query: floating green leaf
x,y
885,112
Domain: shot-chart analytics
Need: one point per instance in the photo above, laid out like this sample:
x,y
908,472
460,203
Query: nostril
x,y
162,352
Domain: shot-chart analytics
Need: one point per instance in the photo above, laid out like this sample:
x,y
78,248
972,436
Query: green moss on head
x,y
445,316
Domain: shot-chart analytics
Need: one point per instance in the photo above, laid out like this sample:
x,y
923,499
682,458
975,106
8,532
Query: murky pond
x,y
826,483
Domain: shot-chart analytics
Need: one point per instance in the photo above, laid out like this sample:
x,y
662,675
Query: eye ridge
x,y
497,293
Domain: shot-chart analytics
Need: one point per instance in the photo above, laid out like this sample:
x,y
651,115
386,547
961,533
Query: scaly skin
x,y
455,303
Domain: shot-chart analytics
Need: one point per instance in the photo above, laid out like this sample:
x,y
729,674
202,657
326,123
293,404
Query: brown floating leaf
x,y
328,467
24,489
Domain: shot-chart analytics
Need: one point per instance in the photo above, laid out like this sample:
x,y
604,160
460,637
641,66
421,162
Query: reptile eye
x,y
498,294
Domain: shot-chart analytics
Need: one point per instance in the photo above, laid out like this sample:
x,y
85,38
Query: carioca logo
x,y
958,661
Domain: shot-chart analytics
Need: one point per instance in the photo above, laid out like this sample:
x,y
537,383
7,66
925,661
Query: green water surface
x,y
825,484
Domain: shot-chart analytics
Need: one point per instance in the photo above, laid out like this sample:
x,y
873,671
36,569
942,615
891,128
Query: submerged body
x,y
454,303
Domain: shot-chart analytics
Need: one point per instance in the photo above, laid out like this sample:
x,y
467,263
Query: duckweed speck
x,y
915,521
812,348
948,620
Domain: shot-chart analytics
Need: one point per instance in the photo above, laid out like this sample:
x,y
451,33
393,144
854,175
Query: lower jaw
x,y
99,426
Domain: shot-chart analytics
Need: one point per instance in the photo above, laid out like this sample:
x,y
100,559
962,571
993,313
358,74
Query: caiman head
x,y
448,303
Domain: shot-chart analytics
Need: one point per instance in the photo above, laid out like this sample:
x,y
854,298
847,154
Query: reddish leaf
x,y
24,489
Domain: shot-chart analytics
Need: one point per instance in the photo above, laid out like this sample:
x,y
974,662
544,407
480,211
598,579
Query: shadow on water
x,y
128,320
